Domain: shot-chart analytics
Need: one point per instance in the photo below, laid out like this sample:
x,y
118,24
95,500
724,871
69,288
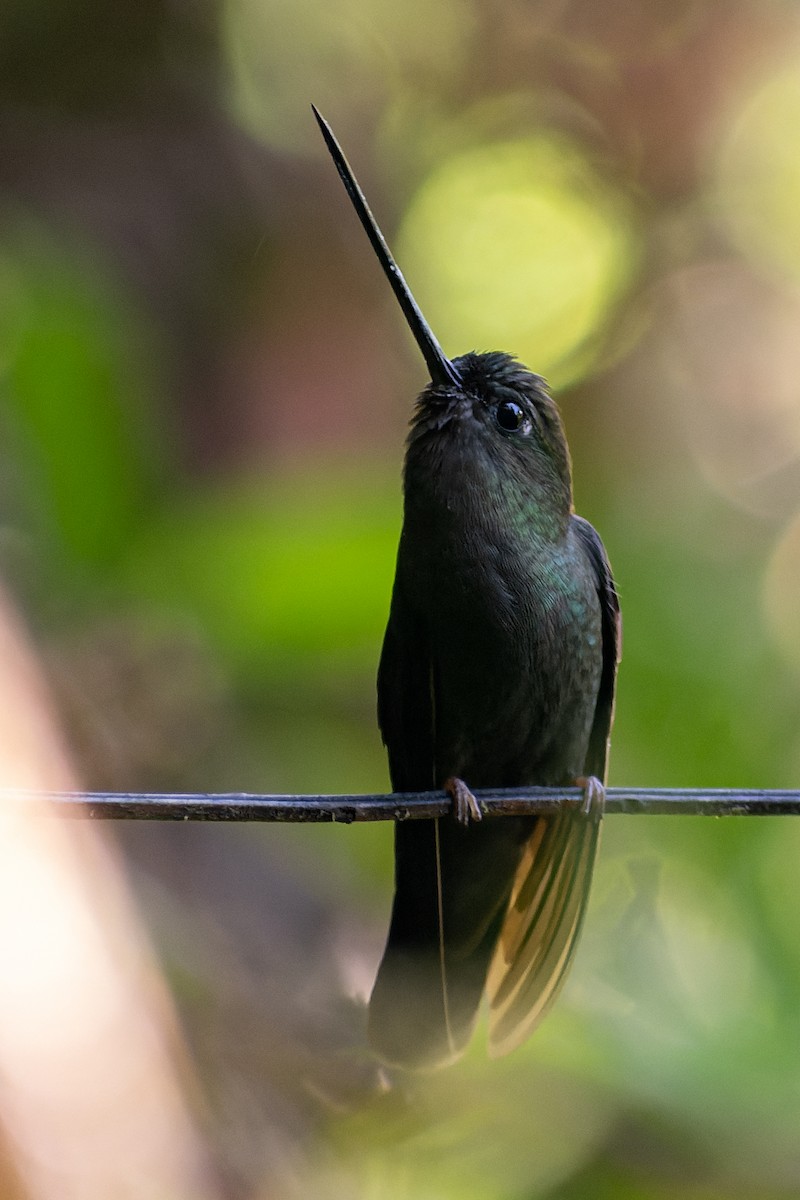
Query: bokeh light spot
x,y
337,55
731,357
757,193
518,246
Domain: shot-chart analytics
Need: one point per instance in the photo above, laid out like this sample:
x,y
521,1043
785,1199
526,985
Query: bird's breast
x,y
513,630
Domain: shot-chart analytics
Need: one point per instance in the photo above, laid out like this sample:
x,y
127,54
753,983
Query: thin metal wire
x,y
242,806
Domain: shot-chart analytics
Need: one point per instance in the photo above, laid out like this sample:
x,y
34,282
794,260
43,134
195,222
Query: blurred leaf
x,y
291,578
78,392
496,1133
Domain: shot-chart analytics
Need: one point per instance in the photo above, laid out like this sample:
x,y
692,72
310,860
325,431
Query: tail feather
x,y
497,906
538,940
452,889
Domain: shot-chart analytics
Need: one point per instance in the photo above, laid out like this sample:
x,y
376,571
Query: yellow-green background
x,y
204,385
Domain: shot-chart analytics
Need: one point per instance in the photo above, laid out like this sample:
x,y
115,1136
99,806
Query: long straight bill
x,y
441,369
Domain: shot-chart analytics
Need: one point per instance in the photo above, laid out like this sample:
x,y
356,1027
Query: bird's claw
x,y
594,795
465,806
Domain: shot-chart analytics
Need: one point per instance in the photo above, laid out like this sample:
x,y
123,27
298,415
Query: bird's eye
x,y
510,416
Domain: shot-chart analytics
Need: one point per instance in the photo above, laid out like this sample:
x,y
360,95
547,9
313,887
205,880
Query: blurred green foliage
x,y
237,476
255,562
80,387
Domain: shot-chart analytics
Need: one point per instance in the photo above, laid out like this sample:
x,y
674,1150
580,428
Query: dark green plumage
x,y
498,668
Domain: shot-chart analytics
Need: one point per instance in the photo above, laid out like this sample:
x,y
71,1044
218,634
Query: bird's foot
x,y
594,795
465,806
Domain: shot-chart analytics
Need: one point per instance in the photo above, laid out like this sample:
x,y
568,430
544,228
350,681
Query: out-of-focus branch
x,y
93,1087
242,806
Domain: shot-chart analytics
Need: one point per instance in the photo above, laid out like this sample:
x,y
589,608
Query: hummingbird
x,y
498,670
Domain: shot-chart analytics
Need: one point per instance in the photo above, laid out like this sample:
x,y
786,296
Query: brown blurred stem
x,y
241,806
